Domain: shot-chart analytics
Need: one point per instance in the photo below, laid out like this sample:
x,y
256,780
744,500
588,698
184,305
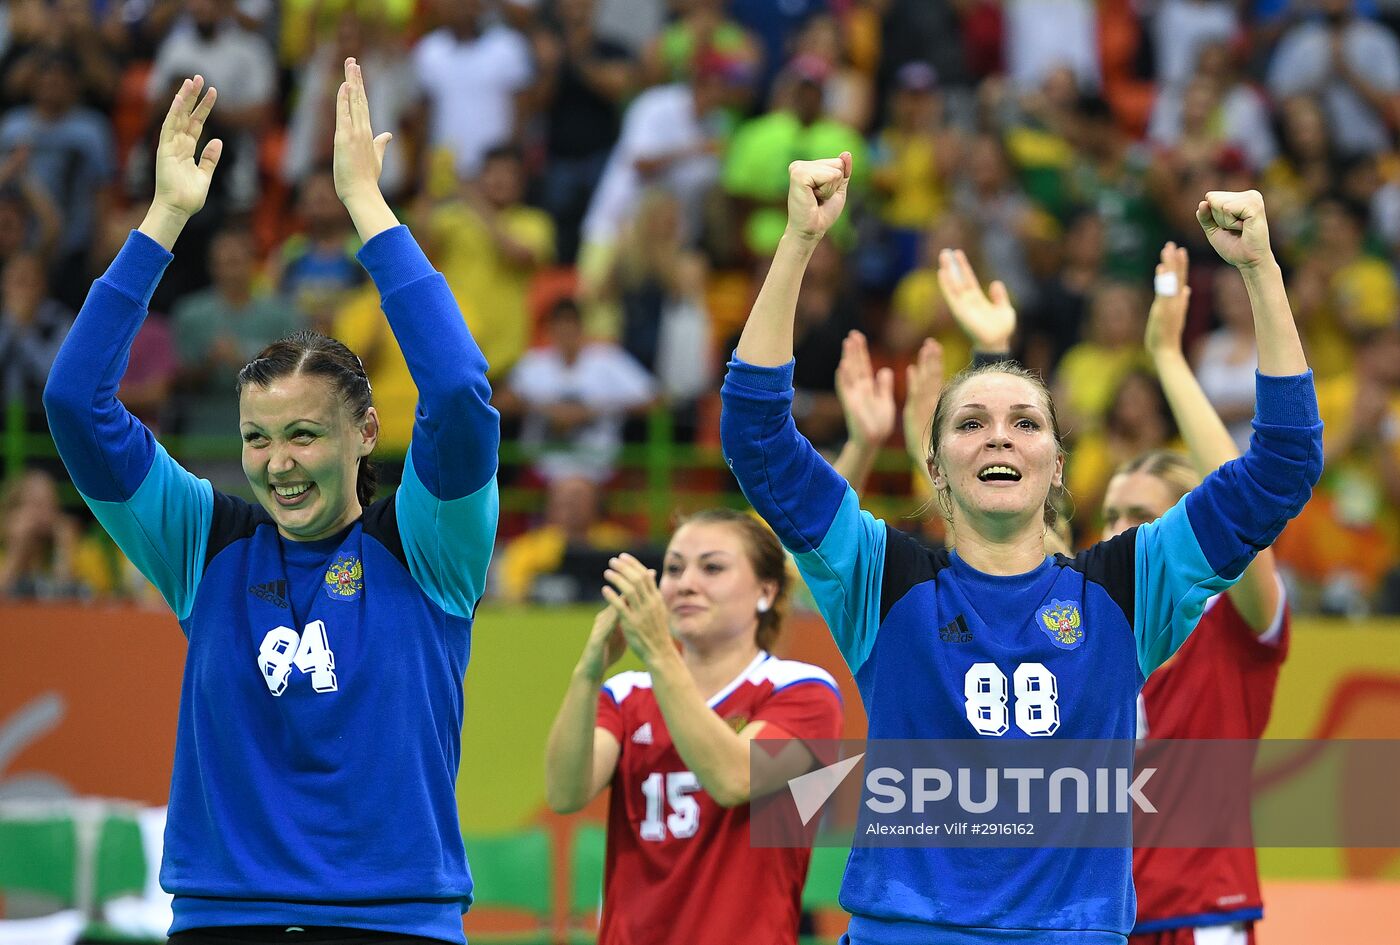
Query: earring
x,y
763,605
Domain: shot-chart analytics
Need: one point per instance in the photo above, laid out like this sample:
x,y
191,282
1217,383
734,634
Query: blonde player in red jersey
x,y
673,741
1220,684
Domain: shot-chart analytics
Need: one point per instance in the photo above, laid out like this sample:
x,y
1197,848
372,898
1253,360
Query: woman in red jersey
x,y
1220,684
673,741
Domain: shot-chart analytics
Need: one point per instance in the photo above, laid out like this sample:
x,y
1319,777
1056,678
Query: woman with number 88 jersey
x,y
1040,646
313,796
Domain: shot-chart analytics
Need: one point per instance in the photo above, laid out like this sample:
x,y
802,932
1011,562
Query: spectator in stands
x,y
374,35
1053,324
775,27
316,269
1120,181
488,243
584,81
988,196
29,218
1181,30
1226,359
1348,536
70,154
39,557
1043,35
913,157
574,395
472,75
32,326
572,521
849,93
659,286
1090,372
218,330
701,28
672,136
1303,171
1353,64
795,128
38,28
211,41
1138,421
1231,111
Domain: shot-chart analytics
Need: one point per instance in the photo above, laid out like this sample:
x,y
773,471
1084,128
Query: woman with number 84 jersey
x,y
313,795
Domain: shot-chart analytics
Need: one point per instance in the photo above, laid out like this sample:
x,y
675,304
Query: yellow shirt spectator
x,y
491,287
361,326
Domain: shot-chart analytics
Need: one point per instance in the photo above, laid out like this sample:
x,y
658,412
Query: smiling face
x,y
301,453
708,582
997,455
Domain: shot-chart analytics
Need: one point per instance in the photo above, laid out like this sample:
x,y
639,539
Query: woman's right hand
x,y
605,645
988,321
182,184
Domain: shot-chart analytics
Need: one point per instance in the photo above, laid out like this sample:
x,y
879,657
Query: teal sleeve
x,y
163,528
1173,582
447,542
844,573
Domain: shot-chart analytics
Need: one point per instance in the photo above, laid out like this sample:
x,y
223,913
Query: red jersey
x,y
679,867
1220,684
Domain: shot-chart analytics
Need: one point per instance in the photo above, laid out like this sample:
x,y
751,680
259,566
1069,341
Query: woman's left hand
x,y
636,600
359,155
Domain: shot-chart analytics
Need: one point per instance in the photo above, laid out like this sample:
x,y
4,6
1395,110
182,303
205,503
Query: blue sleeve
x,y
1205,542
447,500
838,547
156,512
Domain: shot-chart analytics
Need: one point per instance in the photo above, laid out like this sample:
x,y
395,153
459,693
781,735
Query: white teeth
x,y
998,470
291,492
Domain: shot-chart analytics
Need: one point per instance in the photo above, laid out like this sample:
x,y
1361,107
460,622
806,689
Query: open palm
x,y
989,321
182,183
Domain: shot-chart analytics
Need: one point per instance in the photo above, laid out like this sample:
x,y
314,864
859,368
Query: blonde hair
x,y
1168,467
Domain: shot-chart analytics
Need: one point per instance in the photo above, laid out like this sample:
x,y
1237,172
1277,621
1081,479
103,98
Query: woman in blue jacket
x,y
312,798
1046,646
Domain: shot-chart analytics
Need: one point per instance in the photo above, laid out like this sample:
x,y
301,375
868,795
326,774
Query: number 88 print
x,y
1037,699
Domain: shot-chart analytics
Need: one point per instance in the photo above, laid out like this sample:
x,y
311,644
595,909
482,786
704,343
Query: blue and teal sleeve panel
x,y
447,502
156,512
1204,543
839,548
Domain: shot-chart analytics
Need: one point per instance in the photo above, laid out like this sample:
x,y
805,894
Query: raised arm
x,y
1258,594
816,196
1205,542
156,512
838,548
447,502
867,402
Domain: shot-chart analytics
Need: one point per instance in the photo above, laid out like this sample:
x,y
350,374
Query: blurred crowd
x,y
603,181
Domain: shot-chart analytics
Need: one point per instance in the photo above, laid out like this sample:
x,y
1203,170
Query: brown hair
x,y
767,558
312,353
1169,467
1058,495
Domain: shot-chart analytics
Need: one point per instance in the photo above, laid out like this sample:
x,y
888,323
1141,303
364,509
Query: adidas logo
x,y
955,631
274,592
642,736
